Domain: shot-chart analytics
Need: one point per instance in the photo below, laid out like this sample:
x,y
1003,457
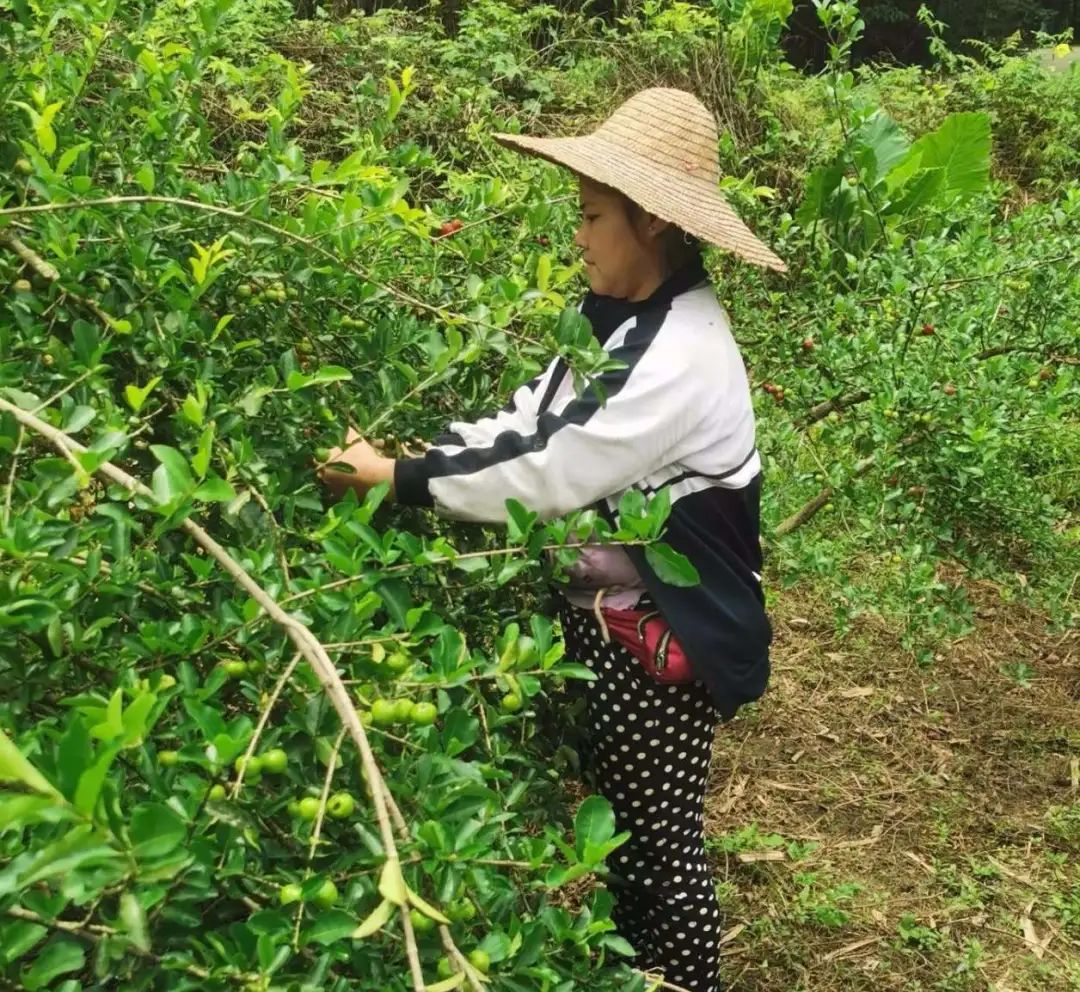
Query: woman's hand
x,y
369,468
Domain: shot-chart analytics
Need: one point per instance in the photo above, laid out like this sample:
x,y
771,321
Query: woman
x,y
678,415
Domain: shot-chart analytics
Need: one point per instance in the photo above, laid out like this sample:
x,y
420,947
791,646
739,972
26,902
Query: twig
x,y
298,633
49,272
11,475
316,830
31,258
263,717
819,411
659,982
808,510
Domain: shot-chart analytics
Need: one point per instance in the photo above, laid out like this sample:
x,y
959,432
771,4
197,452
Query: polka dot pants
x,y
649,746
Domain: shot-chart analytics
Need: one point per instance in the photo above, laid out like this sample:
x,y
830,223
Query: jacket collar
x,y
606,313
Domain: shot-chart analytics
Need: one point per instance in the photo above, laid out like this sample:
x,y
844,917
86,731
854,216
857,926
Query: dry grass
x,y
883,826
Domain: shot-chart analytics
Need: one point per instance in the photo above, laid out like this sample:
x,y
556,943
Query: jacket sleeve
x,y
625,425
518,414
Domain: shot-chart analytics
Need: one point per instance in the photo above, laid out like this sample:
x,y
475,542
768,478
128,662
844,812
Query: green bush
x,y
219,242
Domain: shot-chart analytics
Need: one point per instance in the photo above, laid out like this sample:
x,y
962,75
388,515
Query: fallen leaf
x,y
857,692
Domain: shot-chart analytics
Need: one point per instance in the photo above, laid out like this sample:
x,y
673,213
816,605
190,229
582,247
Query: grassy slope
x,y
909,828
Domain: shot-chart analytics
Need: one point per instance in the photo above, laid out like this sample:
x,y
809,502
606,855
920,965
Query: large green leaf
x,y
61,956
877,146
14,767
672,567
959,150
594,824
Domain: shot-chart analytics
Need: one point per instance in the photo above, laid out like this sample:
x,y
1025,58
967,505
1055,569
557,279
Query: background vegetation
x,y
224,234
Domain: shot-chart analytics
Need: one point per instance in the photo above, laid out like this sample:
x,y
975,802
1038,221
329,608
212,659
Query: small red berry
x,y
543,240
949,389
928,330
808,344
768,387
456,225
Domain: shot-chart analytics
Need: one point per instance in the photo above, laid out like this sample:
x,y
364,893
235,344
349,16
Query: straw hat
x,y
659,148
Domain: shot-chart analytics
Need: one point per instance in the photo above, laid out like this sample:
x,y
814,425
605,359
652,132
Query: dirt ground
x,y
878,825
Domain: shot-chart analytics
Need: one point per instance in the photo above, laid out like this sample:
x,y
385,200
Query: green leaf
x,y
328,373
133,917
172,478
91,781
156,830
17,937
136,396
960,149
215,490
144,176
671,567
68,158
594,824
375,921
425,907
200,461
520,521
61,956
18,811
192,410
543,273
15,768
447,984
331,926
392,882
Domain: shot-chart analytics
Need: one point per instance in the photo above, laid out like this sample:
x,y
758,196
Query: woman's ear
x,y
657,226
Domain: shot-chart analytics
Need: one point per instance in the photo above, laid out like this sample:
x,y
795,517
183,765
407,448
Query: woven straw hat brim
x,y
693,202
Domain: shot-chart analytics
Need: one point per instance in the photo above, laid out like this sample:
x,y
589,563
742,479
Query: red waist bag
x,y
649,638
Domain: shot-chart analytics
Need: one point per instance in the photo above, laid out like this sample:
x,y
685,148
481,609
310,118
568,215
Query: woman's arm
x,y
626,425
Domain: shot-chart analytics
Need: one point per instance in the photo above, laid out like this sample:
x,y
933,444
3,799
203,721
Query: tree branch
x,y
298,633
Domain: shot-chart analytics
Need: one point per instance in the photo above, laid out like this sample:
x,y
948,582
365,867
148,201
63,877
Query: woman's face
x,y
622,257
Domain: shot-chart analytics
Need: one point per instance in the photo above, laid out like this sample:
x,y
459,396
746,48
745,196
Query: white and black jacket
x,y
678,415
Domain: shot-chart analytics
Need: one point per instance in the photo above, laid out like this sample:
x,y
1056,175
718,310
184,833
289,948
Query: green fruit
x,y
167,758
445,969
322,454
23,166
327,894
398,661
462,910
22,286
511,702
289,893
102,283
420,922
517,258
480,960
274,761
402,710
292,808
1033,382
216,793
424,714
165,682
383,713
253,766
308,808
244,291
340,805
235,668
